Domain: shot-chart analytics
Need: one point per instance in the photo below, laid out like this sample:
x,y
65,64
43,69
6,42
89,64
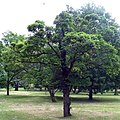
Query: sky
x,y
16,15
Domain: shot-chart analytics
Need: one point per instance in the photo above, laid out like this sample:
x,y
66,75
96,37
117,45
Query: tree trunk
x,y
116,90
8,83
91,90
65,82
16,86
74,89
66,93
90,93
52,93
66,101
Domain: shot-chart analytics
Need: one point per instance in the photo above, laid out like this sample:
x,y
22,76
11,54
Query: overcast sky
x,y
16,15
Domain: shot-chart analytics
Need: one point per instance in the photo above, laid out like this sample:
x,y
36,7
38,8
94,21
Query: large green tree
x,y
68,42
61,47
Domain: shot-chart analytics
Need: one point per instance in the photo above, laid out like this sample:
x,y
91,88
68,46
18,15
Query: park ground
x,y
30,105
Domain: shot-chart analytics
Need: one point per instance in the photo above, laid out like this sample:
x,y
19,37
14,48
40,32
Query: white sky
x,y
16,15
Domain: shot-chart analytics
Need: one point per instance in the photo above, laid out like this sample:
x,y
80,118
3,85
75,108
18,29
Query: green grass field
x,y
23,105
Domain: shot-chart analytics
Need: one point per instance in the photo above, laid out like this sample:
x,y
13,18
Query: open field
x,y
23,105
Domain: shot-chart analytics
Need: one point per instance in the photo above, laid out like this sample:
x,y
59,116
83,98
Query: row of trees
x,y
81,51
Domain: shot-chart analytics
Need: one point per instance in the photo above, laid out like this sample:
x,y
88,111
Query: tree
x,y
62,45
2,71
94,19
9,56
99,65
65,44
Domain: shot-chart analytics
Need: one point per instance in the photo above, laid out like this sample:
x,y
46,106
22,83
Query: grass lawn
x,y
23,105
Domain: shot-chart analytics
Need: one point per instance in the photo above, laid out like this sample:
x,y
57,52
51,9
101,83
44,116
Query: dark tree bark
x,y
16,86
65,84
66,92
52,93
116,89
66,101
8,84
90,93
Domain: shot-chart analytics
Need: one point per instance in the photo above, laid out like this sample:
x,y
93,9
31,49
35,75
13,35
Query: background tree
x,y
94,19
10,58
2,71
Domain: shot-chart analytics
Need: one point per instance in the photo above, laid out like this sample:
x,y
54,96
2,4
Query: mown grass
x,y
26,105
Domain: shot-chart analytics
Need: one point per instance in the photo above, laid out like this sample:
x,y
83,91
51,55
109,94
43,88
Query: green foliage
x,y
103,62
84,44
10,58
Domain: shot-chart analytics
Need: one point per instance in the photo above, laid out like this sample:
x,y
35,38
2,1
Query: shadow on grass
x,y
25,98
86,100
46,98
75,99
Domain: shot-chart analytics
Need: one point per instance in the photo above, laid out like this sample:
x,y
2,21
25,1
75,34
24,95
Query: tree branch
x,y
15,75
54,50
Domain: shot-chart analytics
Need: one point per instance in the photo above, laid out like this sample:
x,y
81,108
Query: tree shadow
x,y
46,98
26,98
86,99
